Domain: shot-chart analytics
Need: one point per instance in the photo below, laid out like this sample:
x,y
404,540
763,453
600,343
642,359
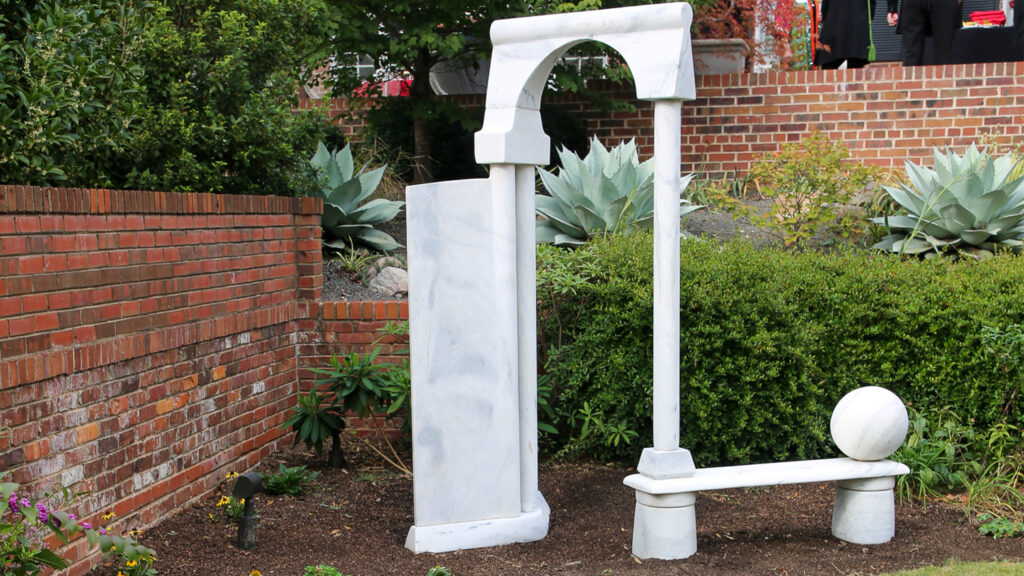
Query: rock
x,y
381,264
391,281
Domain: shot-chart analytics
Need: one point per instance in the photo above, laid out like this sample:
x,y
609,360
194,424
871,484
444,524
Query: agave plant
x,y
604,193
971,203
345,218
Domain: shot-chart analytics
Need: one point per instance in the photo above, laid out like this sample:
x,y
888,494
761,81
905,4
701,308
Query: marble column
x,y
666,459
526,289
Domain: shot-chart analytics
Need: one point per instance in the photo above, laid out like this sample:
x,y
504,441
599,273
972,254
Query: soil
x,y
356,520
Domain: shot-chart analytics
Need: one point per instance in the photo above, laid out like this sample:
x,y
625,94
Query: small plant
x,y
353,260
314,419
936,453
439,571
24,522
810,183
232,509
999,527
348,216
360,385
970,204
322,570
292,481
604,193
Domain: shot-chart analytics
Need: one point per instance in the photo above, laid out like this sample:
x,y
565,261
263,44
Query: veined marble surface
x,y
869,423
465,396
772,474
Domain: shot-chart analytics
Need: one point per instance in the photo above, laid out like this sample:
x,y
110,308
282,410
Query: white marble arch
x,y
472,283
653,40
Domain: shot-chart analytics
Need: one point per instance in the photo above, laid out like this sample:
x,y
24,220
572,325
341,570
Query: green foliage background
x,y
170,94
770,341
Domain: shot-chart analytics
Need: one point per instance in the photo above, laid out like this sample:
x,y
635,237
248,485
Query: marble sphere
x,y
869,423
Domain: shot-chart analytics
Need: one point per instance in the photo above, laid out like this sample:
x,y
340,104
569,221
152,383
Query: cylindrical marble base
x,y
664,526
865,511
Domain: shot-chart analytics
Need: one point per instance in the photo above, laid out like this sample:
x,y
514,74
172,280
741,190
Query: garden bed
x,y
357,519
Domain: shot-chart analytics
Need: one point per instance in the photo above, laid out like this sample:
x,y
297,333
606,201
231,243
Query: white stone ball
x,y
869,423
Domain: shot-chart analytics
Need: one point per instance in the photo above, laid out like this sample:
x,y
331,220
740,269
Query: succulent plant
x,y
972,203
604,193
345,219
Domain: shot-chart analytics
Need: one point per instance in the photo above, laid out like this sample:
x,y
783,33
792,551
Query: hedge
x,y
771,339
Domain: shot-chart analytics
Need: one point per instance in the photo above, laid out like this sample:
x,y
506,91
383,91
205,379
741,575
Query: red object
x,y
996,17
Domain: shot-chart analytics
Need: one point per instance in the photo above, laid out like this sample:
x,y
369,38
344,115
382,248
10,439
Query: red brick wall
x,y
886,114
148,340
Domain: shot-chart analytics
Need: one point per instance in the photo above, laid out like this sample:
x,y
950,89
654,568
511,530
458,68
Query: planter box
x,y
726,56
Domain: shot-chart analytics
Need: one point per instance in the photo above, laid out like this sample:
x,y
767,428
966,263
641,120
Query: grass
x,y
957,568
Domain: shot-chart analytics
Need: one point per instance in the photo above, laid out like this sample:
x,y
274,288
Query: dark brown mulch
x,y
357,519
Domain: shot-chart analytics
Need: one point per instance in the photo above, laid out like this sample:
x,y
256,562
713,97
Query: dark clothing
x,y
1018,31
939,19
844,33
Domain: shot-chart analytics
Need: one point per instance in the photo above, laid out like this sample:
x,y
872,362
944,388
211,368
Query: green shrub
x,y
770,341
811,184
292,480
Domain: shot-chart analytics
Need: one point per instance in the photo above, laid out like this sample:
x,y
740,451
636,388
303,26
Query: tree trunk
x,y
421,94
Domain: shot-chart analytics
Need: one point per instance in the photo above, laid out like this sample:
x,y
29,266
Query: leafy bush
x,y
218,106
349,215
292,480
770,341
811,184
69,89
161,95
606,192
972,203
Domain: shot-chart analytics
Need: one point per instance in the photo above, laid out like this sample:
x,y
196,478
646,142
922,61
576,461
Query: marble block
x,y
463,329
654,41
463,342
869,423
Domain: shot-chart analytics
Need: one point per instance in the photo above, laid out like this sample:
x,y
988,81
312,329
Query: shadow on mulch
x,y
357,519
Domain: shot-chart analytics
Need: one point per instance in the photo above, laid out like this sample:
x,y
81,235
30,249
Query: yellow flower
x,y
131,563
224,501
119,573
232,475
255,573
241,501
109,515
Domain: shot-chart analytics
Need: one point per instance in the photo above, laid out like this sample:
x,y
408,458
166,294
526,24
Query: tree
x,y
221,86
180,95
413,36
69,89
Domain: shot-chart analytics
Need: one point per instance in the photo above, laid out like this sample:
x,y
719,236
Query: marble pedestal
x,y
865,511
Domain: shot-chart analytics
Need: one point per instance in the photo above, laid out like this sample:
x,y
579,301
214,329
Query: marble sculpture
x,y
472,305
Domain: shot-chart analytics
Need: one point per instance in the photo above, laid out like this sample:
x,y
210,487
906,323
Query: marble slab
x,y
773,474
463,342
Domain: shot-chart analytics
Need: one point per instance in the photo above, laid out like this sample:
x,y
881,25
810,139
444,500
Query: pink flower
x,y
43,512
